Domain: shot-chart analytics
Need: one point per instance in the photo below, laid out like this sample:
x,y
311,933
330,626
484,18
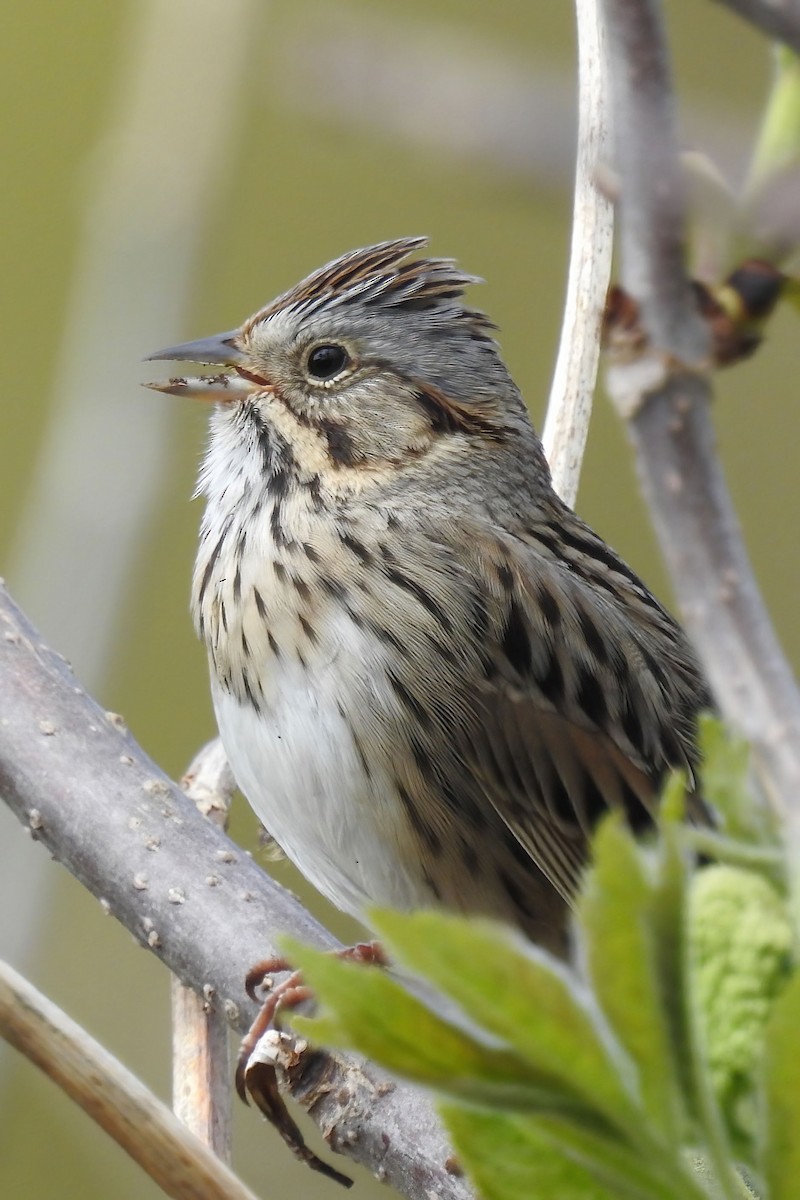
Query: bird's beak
x,y
221,348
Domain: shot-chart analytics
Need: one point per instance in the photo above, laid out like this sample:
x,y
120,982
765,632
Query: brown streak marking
x,y
358,548
426,600
301,587
409,700
210,566
448,415
308,629
261,607
341,448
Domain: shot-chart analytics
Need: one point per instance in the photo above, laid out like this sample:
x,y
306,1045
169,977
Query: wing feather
x,y
579,691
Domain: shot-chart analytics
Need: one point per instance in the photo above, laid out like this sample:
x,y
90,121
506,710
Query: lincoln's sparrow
x,y
430,676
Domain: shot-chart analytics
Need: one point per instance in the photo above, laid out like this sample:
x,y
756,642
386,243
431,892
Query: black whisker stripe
x,y
341,447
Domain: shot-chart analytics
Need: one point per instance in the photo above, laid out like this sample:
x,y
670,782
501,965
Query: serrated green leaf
x,y
615,913
521,996
508,1158
782,1090
370,1011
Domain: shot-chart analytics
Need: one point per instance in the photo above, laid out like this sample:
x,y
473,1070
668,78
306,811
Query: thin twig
x,y
201,1057
780,19
569,408
80,784
145,1128
665,394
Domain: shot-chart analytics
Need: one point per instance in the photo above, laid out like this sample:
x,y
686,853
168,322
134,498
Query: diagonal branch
x,y
182,1165
80,784
779,19
666,396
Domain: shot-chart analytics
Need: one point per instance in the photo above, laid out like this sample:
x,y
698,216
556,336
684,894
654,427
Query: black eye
x,y
324,362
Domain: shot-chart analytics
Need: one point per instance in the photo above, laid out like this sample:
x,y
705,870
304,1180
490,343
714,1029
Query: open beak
x,y
222,349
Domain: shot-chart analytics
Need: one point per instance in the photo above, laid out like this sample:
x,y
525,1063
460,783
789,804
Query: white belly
x,y
298,767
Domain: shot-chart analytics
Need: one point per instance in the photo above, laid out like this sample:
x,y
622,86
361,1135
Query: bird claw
x,y
287,994
256,1074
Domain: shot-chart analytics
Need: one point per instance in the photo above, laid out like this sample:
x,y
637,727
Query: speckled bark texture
x,y
83,787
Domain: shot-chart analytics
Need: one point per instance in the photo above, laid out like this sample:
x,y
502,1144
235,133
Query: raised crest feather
x,y
383,275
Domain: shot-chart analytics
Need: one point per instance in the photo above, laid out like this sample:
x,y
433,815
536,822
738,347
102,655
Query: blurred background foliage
x,y
171,165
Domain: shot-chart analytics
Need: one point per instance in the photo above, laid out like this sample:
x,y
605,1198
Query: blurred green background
x,y
169,167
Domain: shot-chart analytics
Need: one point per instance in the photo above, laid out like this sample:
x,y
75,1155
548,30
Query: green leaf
x,y
647,1174
517,1157
616,916
522,996
782,1089
668,913
508,1158
370,1011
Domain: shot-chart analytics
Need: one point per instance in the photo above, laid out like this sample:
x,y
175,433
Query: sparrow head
x,y
376,352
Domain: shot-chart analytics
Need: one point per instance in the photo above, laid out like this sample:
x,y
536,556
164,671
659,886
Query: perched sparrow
x,y
430,676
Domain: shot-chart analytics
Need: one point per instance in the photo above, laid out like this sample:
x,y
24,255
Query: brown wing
x,y
561,688
590,693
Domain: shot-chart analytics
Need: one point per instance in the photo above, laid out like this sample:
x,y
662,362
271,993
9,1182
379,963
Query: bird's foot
x,y
256,1075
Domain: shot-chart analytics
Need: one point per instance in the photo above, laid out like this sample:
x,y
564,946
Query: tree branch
x,y
80,784
780,19
201,1054
120,1104
569,408
665,394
